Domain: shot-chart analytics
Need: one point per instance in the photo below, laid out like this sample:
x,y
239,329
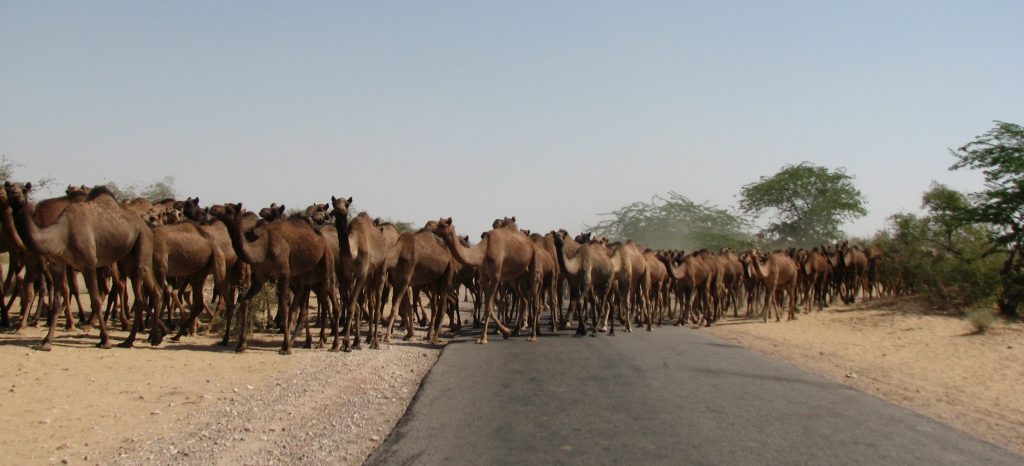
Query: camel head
x,y
583,238
191,210
228,213
17,194
340,207
172,216
464,240
444,227
274,212
509,222
318,213
76,190
559,237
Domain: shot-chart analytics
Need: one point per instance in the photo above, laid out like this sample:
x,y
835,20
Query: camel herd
x,y
169,252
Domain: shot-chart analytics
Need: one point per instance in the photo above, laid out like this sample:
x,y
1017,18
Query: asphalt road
x,y
674,396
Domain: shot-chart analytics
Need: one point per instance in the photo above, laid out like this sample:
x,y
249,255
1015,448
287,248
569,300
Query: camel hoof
x,y
42,347
125,344
241,348
408,337
223,343
103,345
176,338
593,334
308,345
374,346
284,351
481,341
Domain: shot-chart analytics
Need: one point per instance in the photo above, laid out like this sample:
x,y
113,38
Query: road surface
x,y
673,396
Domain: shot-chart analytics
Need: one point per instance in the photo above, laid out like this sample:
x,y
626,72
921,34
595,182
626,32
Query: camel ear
x,y
513,218
281,208
7,184
348,202
238,207
28,187
333,199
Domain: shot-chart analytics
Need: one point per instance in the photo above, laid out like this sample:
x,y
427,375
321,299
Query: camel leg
x,y
198,304
284,309
95,302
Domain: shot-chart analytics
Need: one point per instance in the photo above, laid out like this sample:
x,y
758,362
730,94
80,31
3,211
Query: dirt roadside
x,y
197,403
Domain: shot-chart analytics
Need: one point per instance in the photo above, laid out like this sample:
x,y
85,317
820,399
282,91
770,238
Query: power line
x,y
106,172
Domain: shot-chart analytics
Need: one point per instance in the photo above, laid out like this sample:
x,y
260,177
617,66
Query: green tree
x,y
999,154
942,254
675,222
807,203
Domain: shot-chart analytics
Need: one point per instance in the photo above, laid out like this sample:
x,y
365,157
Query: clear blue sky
x,y
551,111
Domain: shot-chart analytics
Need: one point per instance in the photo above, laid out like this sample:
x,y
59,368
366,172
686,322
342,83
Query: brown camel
x,y
692,280
187,251
90,235
658,294
286,249
503,256
430,266
779,274
591,272
364,250
633,282
815,273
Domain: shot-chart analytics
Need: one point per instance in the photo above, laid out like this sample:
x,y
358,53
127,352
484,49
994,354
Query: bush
x,y
264,301
981,320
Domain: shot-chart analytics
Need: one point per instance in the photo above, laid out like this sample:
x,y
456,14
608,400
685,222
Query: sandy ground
x,y
931,364
193,402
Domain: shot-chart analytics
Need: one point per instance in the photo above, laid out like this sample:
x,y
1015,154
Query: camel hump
x,y
100,191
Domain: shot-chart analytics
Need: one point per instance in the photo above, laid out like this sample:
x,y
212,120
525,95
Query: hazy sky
x,y
552,111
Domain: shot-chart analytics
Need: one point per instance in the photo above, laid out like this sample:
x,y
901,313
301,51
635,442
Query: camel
x,y
504,255
288,249
273,213
732,278
591,272
425,263
815,272
692,281
633,282
87,236
874,255
549,275
658,297
364,250
779,274
187,251
37,268
851,270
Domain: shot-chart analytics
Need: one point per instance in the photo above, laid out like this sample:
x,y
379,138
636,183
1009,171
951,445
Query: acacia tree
x,y
156,191
807,203
999,154
675,222
8,167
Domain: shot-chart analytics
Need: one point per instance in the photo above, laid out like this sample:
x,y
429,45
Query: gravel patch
x,y
334,409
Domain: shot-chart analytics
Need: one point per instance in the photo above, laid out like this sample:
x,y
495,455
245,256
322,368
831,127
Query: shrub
x,y
981,320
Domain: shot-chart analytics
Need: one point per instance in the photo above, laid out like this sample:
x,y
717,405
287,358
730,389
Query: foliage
x,y
7,173
951,262
807,203
981,320
999,154
675,222
156,191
